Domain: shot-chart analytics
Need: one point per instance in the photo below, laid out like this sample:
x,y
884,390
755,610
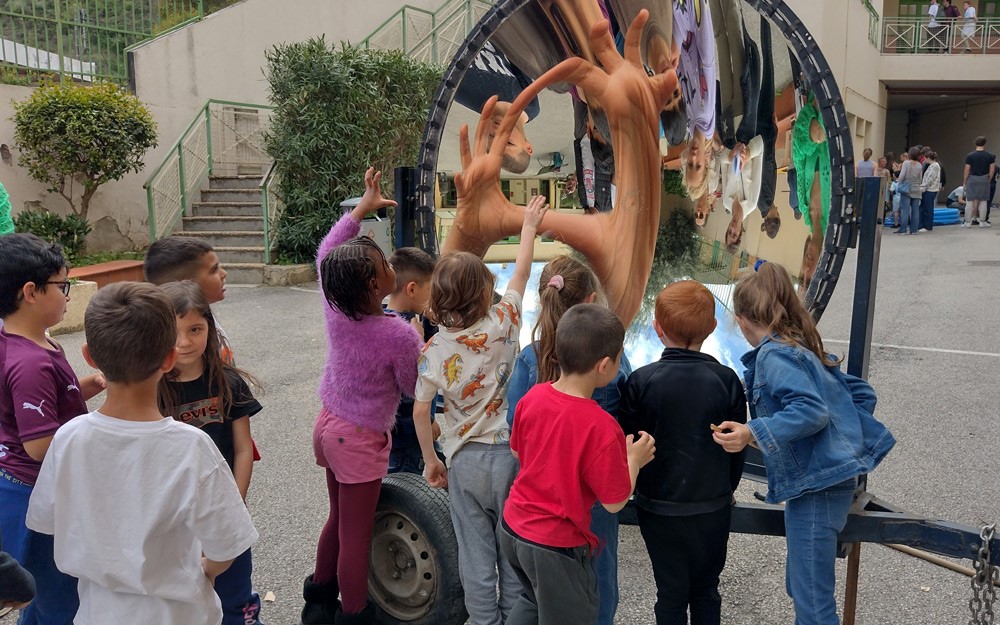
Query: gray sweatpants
x,y
479,481
560,584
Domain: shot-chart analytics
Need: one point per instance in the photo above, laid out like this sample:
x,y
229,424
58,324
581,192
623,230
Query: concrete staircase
x,y
229,217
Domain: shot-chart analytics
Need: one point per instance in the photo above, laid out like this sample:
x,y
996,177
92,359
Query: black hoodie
x,y
16,584
675,400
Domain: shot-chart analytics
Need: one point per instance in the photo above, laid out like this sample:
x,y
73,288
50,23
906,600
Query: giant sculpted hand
x,y
619,245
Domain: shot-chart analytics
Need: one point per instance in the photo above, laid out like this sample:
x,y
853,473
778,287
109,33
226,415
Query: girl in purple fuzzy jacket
x,y
371,359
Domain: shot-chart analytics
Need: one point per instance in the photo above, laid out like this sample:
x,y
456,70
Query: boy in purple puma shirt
x,y
38,393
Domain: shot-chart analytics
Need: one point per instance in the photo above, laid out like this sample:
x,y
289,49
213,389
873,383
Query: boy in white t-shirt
x,y
144,509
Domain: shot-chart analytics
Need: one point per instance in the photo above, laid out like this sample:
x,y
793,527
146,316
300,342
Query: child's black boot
x,y
364,617
322,603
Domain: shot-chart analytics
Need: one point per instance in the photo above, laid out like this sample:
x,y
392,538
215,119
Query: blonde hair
x,y
577,283
767,297
459,287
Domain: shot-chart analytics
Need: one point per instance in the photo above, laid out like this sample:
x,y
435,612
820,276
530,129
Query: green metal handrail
x,y
913,35
214,138
431,36
272,204
873,20
86,40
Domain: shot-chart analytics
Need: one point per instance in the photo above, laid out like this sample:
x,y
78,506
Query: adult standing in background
x,y
931,184
980,166
865,167
968,26
951,15
910,193
933,33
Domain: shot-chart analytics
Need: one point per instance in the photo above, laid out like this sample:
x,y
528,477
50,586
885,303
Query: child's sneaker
x,y
984,224
965,224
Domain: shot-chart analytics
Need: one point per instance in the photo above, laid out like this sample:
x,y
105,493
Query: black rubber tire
x,y
414,540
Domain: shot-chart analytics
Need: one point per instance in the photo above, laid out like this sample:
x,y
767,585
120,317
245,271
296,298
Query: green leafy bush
x,y
73,135
70,231
339,110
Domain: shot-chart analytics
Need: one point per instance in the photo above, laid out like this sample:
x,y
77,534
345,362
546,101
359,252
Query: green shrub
x,y
70,231
339,110
74,137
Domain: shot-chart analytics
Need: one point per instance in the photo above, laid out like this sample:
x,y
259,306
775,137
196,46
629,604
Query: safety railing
x,y
873,20
224,139
916,35
429,36
85,40
273,206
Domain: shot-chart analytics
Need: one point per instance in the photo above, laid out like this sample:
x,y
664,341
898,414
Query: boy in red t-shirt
x,y
572,454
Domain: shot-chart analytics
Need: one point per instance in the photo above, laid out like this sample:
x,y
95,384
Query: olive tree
x,y
74,138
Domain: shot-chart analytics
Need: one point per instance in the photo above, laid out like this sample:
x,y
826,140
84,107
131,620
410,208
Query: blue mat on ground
x,y
942,217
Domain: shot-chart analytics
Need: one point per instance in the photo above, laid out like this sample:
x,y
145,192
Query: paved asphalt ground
x,y
935,368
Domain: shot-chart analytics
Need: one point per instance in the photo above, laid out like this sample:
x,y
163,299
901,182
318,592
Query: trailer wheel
x,y
413,577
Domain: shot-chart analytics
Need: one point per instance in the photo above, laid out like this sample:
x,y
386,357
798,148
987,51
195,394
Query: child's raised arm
x,y
348,226
533,214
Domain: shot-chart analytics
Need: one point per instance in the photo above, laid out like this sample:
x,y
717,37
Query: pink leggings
x,y
346,539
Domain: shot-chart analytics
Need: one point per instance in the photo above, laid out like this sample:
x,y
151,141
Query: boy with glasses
x,y
38,393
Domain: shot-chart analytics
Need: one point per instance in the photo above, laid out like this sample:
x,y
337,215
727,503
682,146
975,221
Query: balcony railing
x,y
85,40
429,36
915,35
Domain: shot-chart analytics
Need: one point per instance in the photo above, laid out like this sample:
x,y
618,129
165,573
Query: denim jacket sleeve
x,y
520,381
862,393
798,407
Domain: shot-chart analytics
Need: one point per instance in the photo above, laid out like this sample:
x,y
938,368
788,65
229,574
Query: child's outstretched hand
x,y
436,474
732,436
534,212
641,451
372,200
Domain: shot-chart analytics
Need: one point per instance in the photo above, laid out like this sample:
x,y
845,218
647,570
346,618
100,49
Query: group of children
x,y
534,461
120,514
539,449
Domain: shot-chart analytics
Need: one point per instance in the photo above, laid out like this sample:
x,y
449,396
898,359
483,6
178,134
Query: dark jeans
x,y
688,554
927,209
240,604
406,460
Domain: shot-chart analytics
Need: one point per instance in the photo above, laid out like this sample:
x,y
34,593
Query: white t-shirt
x,y
132,506
471,370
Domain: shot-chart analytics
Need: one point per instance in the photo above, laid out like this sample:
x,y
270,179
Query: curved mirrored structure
x,y
673,139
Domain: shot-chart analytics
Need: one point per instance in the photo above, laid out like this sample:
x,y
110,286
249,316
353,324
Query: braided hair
x,y
347,275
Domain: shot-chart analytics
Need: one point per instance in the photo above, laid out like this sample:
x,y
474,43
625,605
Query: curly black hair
x,y
346,275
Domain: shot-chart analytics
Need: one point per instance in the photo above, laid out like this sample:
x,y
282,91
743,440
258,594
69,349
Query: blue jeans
x,y
240,604
909,213
927,209
812,523
605,525
406,460
56,600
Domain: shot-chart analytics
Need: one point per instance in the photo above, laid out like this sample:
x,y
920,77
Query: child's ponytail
x,y
767,297
564,283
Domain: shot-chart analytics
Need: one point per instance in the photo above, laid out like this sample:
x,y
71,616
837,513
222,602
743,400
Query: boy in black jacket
x,y
684,496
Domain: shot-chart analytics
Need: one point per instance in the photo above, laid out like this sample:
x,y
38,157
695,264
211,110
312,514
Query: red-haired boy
x,y
683,497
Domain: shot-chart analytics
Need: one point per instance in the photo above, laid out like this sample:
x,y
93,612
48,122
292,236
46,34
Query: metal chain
x,y
984,591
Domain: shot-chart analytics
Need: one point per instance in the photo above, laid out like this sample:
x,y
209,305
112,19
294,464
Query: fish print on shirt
x,y
475,341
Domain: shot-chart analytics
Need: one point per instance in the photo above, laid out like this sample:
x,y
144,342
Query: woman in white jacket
x,y
931,185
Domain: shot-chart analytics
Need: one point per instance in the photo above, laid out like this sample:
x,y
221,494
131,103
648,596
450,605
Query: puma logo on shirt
x,y
38,408
72,387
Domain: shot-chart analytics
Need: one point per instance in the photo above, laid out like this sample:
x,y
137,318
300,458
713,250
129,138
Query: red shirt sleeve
x,y
608,474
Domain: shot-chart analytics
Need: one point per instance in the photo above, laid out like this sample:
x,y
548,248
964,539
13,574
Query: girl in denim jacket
x,y
814,426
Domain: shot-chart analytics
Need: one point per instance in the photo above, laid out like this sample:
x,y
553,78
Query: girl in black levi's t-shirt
x,y
204,391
